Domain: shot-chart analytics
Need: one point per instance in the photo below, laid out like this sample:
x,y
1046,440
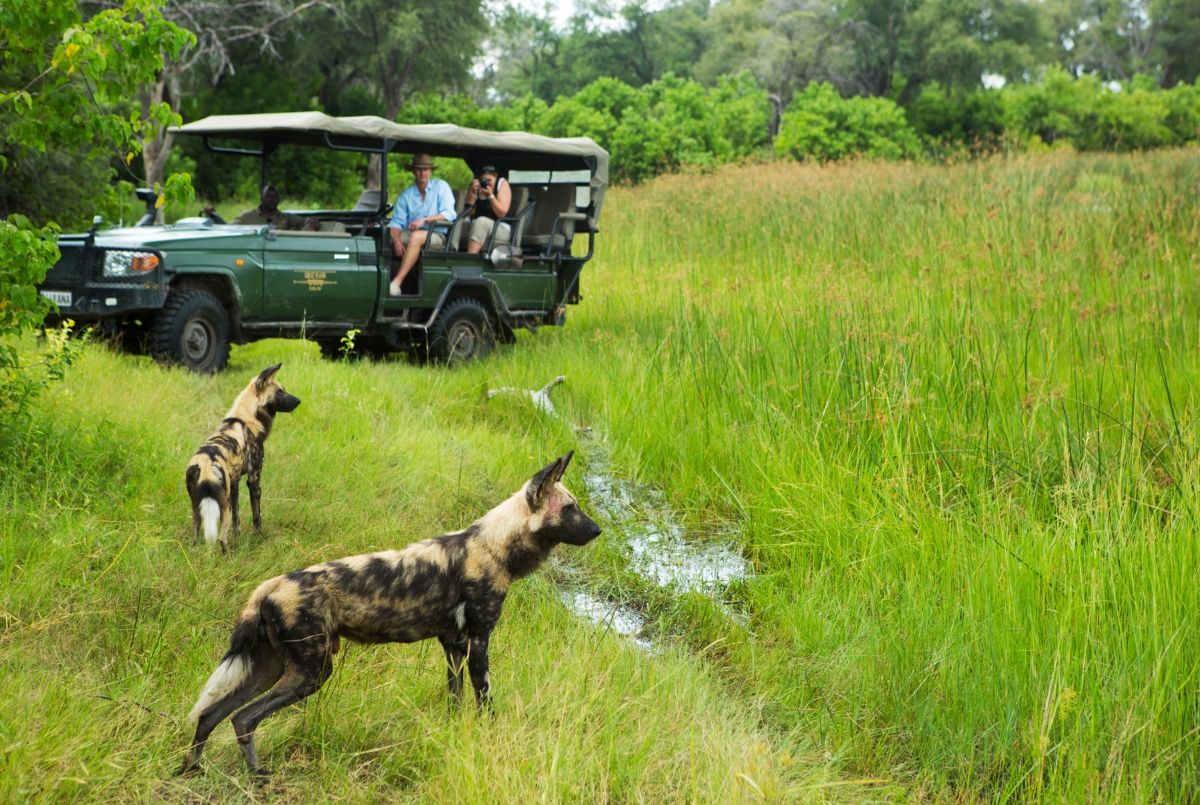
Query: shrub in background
x,y
1083,111
820,124
665,125
941,117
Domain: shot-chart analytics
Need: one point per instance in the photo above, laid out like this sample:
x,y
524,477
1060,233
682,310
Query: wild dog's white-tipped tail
x,y
225,680
210,515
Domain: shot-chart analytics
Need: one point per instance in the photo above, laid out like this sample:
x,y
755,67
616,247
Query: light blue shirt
x,y
439,199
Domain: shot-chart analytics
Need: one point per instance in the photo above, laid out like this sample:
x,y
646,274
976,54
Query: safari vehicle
x,y
186,291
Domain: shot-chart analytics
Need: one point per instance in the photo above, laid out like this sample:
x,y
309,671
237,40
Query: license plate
x,y
60,298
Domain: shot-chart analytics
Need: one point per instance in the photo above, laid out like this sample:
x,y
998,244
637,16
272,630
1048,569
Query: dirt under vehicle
x,y
186,291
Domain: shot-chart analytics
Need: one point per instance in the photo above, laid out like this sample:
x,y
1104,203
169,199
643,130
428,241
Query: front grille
x,y
69,268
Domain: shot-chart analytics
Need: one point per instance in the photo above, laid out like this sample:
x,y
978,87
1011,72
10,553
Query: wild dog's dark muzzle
x,y
585,531
286,403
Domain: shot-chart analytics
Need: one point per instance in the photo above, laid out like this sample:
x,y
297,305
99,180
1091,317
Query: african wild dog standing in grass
x,y
236,449
450,587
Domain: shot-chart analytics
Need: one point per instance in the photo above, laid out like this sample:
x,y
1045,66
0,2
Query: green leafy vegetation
x,y
62,82
823,125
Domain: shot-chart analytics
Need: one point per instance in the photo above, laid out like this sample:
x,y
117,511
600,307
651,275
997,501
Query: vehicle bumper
x,y
103,301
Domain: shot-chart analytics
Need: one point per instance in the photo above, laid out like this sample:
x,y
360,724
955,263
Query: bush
x,y
663,126
1084,112
942,117
820,124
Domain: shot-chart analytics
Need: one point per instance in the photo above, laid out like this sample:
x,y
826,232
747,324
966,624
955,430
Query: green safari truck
x,y
186,291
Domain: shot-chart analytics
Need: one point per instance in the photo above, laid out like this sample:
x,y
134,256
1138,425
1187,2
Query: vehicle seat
x,y
520,197
332,226
368,201
552,201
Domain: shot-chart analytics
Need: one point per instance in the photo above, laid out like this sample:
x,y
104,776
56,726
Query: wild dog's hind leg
x,y
233,506
253,484
265,669
456,660
226,522
477,664
298,682
195,523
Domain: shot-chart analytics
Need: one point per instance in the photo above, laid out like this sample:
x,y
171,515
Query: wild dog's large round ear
x,y
562,465
544,481
264,377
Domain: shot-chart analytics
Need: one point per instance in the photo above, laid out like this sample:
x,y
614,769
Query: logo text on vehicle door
x,y
315,280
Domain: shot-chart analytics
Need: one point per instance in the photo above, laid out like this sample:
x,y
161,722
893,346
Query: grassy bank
x,y
113,619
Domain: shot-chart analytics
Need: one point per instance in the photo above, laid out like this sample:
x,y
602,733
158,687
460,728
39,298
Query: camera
x,y
484,182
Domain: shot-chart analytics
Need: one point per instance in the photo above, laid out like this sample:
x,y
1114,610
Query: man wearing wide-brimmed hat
x,y
424,201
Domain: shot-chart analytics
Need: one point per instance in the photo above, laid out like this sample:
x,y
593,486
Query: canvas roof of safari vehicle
x,y
514,150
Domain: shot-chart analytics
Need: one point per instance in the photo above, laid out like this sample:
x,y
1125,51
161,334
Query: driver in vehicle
x,y
268,212
424,201
490,198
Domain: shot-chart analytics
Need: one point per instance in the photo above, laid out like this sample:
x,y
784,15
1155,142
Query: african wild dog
x,y
236,449
450,587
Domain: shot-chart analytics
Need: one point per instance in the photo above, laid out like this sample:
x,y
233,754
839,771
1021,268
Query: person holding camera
x,y
489,198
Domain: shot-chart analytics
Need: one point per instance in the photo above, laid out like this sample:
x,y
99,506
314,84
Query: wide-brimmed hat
x,y
421,161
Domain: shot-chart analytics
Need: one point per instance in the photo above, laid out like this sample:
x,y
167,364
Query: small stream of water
x,y
660,550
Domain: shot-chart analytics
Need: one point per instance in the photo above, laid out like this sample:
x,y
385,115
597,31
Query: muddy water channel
x,y
657,546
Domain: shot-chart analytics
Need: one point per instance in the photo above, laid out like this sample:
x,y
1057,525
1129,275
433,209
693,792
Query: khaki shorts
x,y
481,230
435,241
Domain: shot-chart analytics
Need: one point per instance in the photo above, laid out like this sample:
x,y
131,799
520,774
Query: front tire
x,y
464,331
192,330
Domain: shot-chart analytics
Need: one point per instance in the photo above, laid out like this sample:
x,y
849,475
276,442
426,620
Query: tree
x,y
396,48
631,44
529,50
1123,38
218,27
64,81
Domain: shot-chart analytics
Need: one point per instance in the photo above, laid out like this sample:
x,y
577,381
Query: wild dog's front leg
x,y
477,665
456,660
253,484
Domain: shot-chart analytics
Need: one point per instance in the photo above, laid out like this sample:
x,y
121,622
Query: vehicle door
x,y
315,276
532,285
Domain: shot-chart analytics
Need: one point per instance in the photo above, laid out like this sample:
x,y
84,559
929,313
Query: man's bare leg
x,y
412,251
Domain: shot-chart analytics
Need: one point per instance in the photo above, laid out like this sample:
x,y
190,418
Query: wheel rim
x,y
465,339
198,342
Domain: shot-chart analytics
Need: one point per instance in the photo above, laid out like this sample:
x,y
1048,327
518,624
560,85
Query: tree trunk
x,y
393,82
156,151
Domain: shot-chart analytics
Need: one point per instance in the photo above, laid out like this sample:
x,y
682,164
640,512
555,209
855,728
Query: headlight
x,y
128,264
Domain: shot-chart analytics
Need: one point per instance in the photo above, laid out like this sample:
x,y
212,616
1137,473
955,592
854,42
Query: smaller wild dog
x,y
450,587
236,449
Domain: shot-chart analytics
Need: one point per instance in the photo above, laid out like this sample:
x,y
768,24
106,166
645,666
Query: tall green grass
x,y
954,409
950,410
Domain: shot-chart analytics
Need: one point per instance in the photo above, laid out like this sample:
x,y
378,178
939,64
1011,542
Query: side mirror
x,y
150,199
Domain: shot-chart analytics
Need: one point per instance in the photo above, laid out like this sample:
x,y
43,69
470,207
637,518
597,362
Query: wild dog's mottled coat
x,y
450,587
235,450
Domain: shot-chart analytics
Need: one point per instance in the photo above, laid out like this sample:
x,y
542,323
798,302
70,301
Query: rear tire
x,y
192,330
330,350
464,331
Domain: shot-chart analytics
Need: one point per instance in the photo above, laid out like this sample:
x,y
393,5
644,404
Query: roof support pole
x,y
383,172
